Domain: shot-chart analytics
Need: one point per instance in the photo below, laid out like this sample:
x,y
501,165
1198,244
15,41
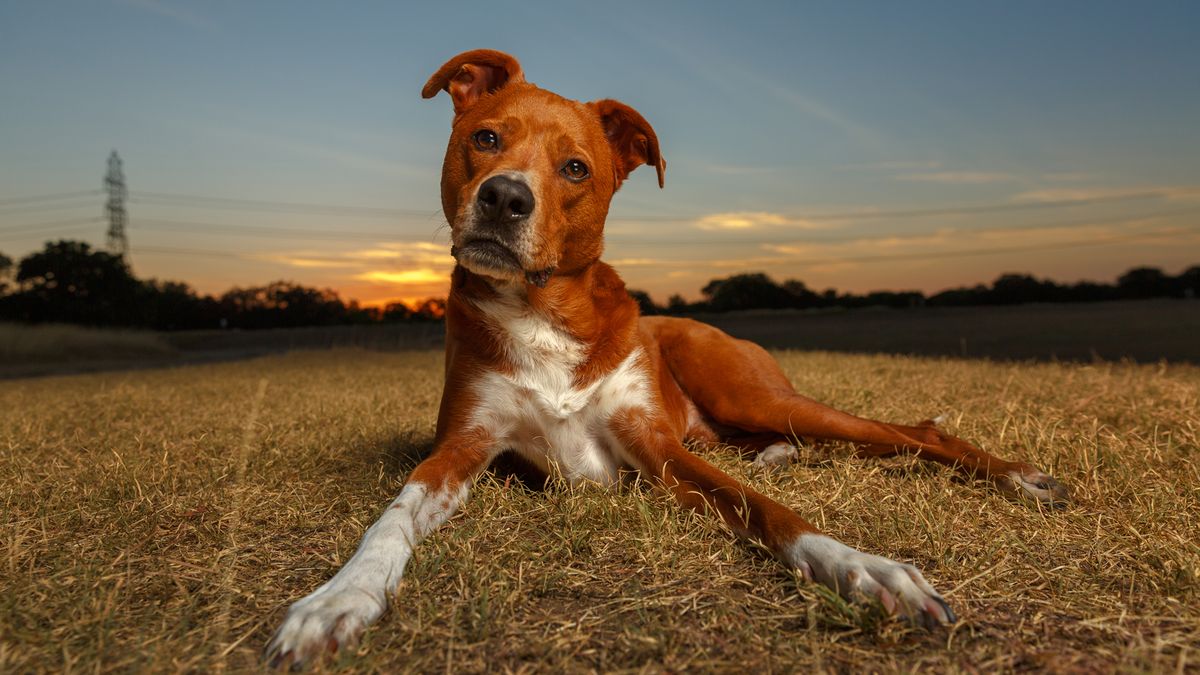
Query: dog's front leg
x,y
334,615
857,576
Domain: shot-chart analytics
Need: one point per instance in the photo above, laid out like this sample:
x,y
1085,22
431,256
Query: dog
x,y
547,358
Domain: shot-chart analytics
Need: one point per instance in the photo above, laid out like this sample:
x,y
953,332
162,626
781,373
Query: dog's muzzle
x,y
503,206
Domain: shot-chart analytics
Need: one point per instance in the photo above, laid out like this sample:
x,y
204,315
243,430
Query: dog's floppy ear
x,y
631,137
473,74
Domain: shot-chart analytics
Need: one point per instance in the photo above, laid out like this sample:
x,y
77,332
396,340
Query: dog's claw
x,y
947,615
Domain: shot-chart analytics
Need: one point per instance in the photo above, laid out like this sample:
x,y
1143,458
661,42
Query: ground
x,y
163,519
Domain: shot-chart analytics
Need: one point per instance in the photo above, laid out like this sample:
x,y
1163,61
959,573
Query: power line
x,y
91,203
41,227
196,227
201,201
187,251
54,196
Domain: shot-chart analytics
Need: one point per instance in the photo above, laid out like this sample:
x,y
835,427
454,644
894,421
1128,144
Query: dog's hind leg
x,y
737,384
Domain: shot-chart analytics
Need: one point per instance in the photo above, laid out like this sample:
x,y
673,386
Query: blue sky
x,y
851,144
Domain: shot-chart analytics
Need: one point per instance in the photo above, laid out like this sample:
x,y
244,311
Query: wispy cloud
x,y
736,80
952,241
404,278
171,11
386,272
958,177
1101,194
818,110
746,220
1067,176
893,165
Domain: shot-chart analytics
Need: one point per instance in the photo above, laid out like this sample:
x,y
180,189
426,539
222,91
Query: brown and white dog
x,y
547,357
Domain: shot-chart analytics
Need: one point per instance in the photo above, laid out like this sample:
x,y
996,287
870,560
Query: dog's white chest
x,y
540,412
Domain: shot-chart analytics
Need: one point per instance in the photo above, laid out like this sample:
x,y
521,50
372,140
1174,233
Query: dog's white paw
x,y
776,454
328,620
1027,483
900,588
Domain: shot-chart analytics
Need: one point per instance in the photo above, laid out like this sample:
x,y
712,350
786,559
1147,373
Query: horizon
x,y
920,147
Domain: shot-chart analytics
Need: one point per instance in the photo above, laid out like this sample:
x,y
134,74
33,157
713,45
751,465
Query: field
x,y
162,520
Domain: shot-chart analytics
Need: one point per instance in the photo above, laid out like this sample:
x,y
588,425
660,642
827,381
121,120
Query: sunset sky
x,y
889,145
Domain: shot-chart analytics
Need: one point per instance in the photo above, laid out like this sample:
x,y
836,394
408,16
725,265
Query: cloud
x,y
405,278
1104,194
1067,176
398,254
958,177
896,165
951,242
746,220
816,109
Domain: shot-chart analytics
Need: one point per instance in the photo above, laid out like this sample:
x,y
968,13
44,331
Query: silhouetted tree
x,y
802,297
173,305
745,291
69,282
6,266
1187,284
645,302
676,304
432,309
1012,289
395,312
1144,282
1087,291
959,297
357,314
282,304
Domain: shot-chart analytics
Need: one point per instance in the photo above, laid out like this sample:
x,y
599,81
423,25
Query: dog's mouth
x,y
488,255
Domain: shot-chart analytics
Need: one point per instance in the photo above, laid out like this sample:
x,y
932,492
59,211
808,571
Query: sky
x,y
854,145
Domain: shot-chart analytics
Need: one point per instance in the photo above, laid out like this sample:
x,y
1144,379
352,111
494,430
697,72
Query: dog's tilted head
x,y
528,174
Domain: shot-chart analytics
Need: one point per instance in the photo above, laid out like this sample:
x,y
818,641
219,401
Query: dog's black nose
x,y
503,200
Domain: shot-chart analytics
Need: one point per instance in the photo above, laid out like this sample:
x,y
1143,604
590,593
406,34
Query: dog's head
x,y
528,174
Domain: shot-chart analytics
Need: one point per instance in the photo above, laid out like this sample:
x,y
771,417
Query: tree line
x,y
759,291
69,282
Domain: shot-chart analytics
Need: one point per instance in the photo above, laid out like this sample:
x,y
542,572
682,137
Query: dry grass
x,y
162,520
54,343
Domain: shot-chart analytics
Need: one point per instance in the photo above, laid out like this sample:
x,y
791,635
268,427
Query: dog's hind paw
x,y
323,623
775,455
1027,483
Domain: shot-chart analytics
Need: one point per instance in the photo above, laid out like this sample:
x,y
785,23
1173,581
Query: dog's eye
x,y
575,170
486,139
